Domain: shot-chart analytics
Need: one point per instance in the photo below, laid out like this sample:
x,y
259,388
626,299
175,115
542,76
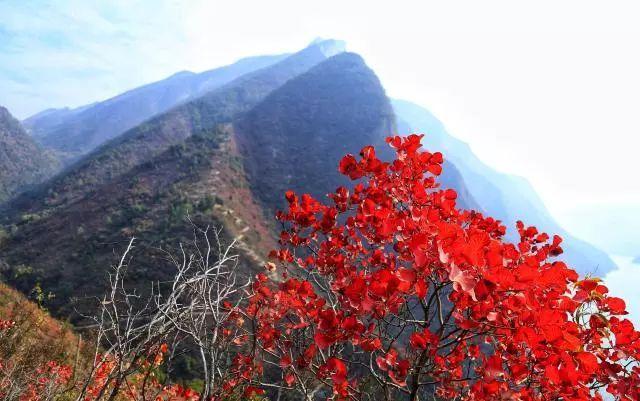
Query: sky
x,y
548,90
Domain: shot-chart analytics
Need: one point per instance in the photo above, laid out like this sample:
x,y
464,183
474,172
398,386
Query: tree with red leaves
x,y
391,292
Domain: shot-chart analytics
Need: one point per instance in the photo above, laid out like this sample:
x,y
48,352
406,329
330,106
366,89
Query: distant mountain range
x,y
74,132
220,147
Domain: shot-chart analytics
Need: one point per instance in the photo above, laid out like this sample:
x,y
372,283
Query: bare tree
x,y
134,330
202,304
128,328
197,307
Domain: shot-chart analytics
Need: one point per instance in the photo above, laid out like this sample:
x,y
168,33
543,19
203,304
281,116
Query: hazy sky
x,y
549,90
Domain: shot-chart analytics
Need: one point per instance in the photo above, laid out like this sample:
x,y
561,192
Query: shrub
x,y
391,292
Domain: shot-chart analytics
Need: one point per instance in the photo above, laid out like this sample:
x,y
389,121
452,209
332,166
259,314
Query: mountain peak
x,y
295,138
8,123
4,113
329,47
184,73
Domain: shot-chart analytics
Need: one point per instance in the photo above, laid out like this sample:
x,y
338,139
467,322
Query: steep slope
x,y
22,162
69,251
509,198
36,337
145,184
77,131
151,138
296,136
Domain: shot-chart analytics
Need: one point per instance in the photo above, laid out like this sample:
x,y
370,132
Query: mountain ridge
x,y
65,241
152,137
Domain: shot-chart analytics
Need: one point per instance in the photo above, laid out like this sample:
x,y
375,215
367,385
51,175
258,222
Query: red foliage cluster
x,y
54,381
6,324
392,287
48,380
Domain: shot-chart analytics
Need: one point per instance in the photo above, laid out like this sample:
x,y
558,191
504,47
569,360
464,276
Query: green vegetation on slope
x,y
144,183
22,162
68,251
